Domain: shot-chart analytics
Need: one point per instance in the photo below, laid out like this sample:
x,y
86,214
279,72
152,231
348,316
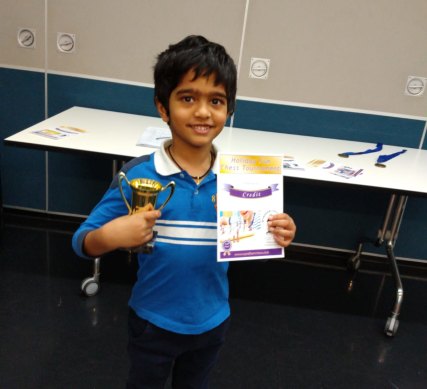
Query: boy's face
x,y
197,111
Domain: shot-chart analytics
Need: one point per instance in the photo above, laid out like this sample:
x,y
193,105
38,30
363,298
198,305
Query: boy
x,y
179,304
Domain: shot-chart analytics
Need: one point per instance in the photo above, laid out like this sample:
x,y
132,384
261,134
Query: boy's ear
x,y
162,111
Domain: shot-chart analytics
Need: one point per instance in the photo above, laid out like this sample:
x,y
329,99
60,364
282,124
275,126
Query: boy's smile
x,y
197,112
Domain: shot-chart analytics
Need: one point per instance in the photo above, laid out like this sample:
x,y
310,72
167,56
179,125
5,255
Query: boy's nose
x,y
203,110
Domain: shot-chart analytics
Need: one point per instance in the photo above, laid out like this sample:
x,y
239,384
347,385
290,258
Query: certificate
x,y
250,189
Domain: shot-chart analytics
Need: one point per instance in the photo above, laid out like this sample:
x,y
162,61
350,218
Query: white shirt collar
x,y
166,167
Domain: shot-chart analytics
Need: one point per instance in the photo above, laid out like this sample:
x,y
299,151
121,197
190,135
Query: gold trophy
x,y
144,197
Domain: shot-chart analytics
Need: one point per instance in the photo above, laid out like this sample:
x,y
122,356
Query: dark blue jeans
x,y
155,354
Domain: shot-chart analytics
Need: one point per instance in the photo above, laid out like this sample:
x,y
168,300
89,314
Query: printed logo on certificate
x,y
250,189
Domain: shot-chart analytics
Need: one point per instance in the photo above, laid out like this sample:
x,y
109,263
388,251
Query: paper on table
x,y
153,136
334,168
59,132
289,162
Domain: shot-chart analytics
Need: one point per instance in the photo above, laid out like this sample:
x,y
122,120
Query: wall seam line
x,y
242,43
46,107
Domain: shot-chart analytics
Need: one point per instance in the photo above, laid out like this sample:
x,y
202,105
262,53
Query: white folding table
x,y
115,134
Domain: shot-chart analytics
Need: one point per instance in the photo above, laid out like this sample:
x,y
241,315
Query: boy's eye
x,y
218,101
187,99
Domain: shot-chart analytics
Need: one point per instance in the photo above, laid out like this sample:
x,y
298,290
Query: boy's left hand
x,y
283,228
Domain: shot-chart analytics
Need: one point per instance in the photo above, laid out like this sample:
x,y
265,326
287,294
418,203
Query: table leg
x,y
388,234
391,237
383,231
115,167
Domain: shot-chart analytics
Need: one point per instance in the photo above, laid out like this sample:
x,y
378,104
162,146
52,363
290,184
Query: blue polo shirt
x,y
180,286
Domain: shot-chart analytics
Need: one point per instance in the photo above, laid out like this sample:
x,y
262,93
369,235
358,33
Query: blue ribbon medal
x,y
381,159
384,158
346,154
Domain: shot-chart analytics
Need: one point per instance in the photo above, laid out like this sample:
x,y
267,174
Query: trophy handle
x,y
122,176
171,185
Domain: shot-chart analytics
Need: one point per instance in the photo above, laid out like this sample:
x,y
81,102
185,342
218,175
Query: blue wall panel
x,y
328,123
327,216
66,92
23,170
334,216
412,240
77,182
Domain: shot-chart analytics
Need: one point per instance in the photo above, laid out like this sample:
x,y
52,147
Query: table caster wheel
x,y
90,287
391,326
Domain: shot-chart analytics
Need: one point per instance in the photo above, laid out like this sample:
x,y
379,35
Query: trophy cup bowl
x,y
144,197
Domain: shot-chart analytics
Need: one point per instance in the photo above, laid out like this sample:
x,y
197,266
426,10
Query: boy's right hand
x,y
124,232
134,230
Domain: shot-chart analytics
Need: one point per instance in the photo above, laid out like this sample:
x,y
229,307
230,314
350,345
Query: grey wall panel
x,y
354,54
15,15
121,39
